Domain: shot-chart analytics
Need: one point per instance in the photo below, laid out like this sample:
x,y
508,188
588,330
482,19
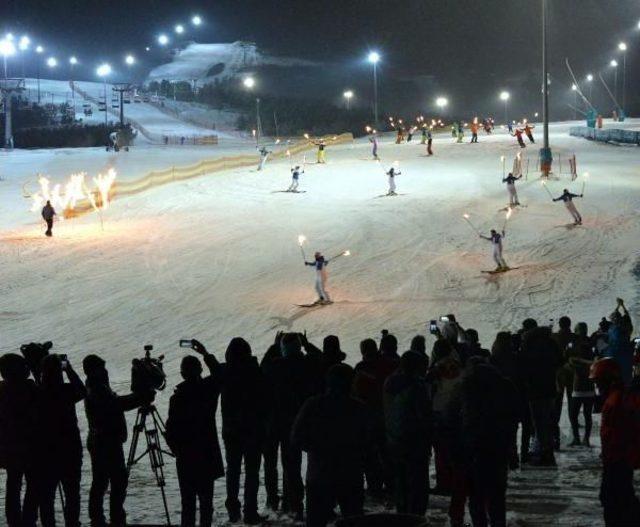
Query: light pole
x,y
623,47
72,62
250,83
504,97
574,89
614,65
7,49
590,81
39,51
348,95
374,58
546,157
103,71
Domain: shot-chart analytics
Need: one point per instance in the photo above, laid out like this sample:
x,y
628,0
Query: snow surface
x,y
196,60
216,257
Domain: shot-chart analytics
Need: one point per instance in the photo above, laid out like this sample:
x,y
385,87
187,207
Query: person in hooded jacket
x,y
565,338
107,433
579,357
333,428
539,360
325,358
620,347
484,415
18,431
409,428
192,435
244,409
61,446
292,379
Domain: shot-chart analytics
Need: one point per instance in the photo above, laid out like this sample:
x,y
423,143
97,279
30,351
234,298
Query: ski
x,y
505,209
288,191
315,304
500,271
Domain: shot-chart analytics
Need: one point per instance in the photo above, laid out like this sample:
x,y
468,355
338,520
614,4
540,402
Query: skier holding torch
x,y
496,242
510,180
567,197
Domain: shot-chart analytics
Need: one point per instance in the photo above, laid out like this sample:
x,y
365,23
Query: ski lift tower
x,y
121,88
9,87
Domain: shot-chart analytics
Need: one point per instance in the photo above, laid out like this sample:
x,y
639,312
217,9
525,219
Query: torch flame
x,y
509,211
347,253
301,239
465,216
306,136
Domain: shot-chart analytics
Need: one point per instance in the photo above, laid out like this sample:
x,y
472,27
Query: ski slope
x,y
217,257
151,118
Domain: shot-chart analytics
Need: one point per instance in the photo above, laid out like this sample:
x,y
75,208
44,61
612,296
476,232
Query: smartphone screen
x,y
185,343
444,319
433,327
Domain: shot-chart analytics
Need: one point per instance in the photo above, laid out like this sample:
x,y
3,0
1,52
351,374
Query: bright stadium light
x,y
130,60
73,61
374,57
163,40
249,82
613,63
7,48
196,20
574,87
52,62
442,102
622,46
103,70
505,96
179,29
39,49
348,95
24,43
589,77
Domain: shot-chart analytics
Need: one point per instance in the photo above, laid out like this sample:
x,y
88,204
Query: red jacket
x,y
620,428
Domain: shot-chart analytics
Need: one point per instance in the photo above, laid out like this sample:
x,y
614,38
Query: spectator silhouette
x,y
333,429
107,434
409,423
564,338
619,341
244,402
18,415
484,413
193,437
293,379
579,358
539,360
59,440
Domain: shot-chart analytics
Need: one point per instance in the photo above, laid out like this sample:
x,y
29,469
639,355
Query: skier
x,y
399,135
454,130
510,128
423,138
410,134
496,242
295,176
510,180
321,146
113,140
518,134
429,142
320,265
373,139
528,129
392,182
460,132
48,213
567,197
264,154
474,131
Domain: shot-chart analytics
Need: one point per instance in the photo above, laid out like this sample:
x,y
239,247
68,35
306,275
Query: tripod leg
x,y
137,427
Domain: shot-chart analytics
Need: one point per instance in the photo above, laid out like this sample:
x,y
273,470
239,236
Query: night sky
x,y
467,50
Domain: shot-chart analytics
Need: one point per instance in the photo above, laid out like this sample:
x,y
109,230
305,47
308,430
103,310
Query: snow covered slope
x,y
206,62
217,257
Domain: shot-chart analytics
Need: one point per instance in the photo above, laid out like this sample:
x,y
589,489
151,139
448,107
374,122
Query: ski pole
x,y
466,218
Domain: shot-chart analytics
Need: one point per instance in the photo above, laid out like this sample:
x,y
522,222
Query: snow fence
x,y
157,178
625,137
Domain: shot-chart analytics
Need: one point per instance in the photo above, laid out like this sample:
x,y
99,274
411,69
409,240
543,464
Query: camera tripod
x,y
152,428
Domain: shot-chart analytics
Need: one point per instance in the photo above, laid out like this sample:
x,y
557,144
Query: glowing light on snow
x,y
52,62
163,40
249,82
179,29
196,20
104,184
373,57
509,212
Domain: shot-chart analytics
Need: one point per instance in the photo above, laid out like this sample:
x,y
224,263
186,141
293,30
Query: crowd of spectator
x,y
366,430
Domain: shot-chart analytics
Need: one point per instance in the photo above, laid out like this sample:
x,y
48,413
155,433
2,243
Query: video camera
x,y
147,374
33,353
